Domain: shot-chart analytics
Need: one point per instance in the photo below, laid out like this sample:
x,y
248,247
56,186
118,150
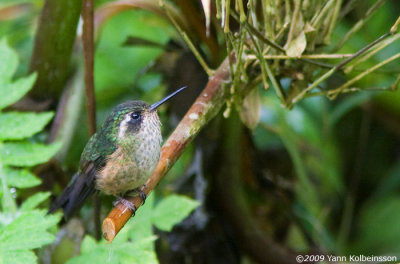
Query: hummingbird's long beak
x,y
157,104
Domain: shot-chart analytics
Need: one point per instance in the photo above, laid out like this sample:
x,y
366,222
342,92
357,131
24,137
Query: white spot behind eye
x,y
123,126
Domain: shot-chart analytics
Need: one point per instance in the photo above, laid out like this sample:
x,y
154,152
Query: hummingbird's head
x,y
134,116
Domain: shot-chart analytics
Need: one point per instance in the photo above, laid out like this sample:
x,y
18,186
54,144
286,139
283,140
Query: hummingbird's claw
x,y
143,195
138,192
125,202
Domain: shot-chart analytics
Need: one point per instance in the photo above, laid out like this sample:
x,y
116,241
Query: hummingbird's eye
x,y
135,115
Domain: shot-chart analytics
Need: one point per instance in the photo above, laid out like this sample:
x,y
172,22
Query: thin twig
x,y
395,27
88,50
258,34
363,50
319,16
273,44
304,56
226,20
332,23
338,67
334,93
266,71
372,52
206,106
188,41
359,24
293,22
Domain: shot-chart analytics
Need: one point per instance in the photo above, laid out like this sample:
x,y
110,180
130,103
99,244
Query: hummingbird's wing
x,y
82,185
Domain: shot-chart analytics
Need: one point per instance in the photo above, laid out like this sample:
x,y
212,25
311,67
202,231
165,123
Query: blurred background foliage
x,y
311,175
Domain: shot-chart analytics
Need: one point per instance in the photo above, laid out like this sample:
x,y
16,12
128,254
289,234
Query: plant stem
x,y
52,50
88,50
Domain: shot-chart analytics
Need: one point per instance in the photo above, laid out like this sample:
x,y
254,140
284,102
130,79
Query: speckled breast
x,y
134,161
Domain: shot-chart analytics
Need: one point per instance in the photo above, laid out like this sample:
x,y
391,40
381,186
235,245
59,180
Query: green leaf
x,y
26,153
12,92
93,252
112,58
33,201
20,178
251,109
96,256
88,244
28,231
17,257
15,125
125,252
172,210
8,62
135,242
379,227
8,203
138,252
297,46
140,226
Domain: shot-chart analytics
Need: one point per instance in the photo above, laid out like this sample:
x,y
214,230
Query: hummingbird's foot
x,y
138,192
125,202
143,195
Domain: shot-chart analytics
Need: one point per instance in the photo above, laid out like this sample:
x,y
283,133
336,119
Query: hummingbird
x,y
119,158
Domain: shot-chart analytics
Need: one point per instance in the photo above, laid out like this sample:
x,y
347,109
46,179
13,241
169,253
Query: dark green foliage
x,y
313,174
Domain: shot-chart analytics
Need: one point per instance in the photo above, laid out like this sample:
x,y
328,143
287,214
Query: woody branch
x,y
206,106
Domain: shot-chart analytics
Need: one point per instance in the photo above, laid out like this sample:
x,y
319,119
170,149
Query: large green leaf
x,y
8,204
114,62
127,252
135,242
26,153
28,231
12,92
8,62
172,210
15,125
20,178
34,200
139,226
17,257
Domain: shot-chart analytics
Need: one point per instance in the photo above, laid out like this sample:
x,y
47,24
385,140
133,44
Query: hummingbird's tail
x,y
74,196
